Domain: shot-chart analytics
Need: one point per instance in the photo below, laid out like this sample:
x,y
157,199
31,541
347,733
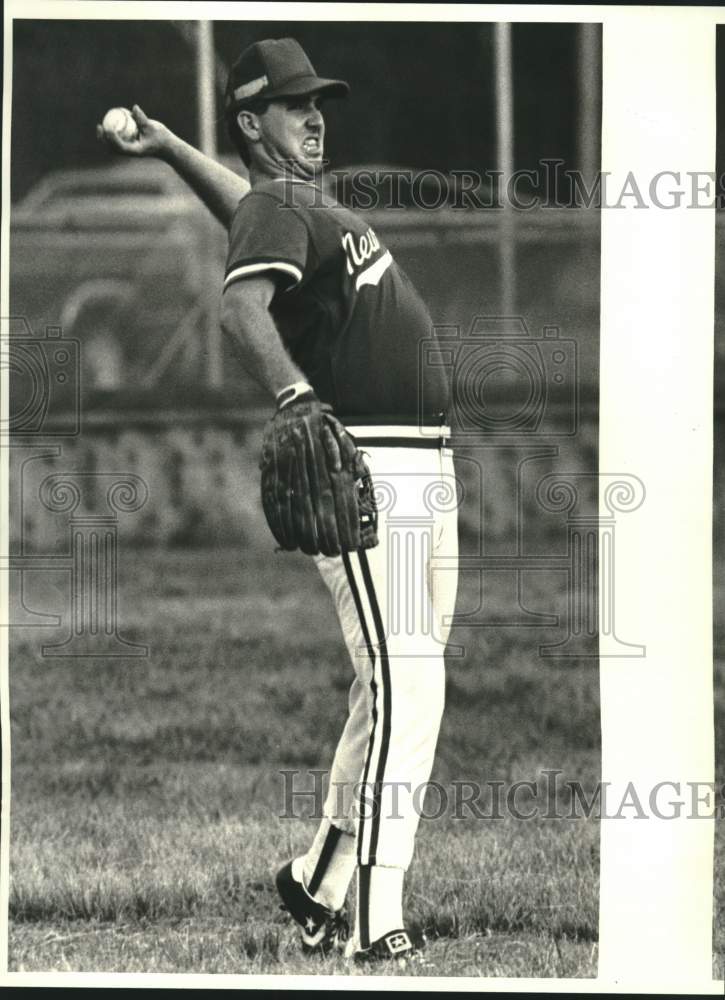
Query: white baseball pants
x,y
395,604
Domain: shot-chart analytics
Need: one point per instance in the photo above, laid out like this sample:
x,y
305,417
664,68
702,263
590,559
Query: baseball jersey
x,y
348,315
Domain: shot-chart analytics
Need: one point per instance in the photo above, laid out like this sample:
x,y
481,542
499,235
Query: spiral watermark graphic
x,y
60,494
127,494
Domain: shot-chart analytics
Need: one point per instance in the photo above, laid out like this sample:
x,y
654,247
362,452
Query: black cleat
x,y
395,946
321,930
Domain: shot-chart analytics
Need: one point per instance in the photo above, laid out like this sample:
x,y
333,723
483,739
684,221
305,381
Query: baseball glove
x,y
317,492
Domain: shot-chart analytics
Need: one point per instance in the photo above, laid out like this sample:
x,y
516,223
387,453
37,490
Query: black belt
x,y
399,435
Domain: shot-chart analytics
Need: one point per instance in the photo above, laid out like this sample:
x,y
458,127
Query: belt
x,y
400,435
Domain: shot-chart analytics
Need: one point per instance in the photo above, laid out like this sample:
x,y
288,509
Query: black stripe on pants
x,y
371,653
323,862
387,707
363,905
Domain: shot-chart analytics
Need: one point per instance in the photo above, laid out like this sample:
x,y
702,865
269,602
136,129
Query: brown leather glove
x,y
317,493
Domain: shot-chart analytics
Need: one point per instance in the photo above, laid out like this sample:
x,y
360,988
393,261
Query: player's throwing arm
x,y
132,133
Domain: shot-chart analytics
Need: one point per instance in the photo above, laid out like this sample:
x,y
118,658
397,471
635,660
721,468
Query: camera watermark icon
x,y
44,380
503,381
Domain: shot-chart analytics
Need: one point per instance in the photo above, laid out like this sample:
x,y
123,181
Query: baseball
x,y
120,122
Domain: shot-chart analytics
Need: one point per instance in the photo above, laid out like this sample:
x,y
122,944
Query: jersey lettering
x,y
360,352
358,253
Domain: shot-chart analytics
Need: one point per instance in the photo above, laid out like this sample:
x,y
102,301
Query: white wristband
x,y
291,392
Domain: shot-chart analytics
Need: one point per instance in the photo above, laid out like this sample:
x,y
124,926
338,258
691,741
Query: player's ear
x,y
248,122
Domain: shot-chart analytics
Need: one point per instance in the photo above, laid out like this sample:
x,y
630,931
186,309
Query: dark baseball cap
x,y
274,68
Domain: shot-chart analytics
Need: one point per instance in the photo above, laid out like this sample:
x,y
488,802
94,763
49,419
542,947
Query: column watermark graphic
x,y
590,561
93,558
408,505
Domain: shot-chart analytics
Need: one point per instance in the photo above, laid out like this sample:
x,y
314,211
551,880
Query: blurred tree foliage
x,y
422,94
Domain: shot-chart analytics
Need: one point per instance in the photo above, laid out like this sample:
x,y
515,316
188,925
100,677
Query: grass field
x,y
147,793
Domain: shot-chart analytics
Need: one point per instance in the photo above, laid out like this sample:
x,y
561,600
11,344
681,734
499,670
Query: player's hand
x,y
152,139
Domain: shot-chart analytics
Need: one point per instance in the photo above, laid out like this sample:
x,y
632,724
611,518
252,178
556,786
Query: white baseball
x,y
121,122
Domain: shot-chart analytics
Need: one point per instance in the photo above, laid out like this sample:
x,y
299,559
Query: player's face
x,y
293,129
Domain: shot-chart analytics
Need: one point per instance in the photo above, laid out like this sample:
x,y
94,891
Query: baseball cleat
x,y
394,946
321,930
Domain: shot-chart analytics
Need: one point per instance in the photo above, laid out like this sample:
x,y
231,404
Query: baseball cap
x,y
273,68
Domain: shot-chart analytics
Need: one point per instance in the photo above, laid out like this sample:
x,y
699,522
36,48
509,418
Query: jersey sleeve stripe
x,y
372,275
247,269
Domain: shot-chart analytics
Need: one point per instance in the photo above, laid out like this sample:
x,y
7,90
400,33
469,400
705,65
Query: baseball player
x,y
329,324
